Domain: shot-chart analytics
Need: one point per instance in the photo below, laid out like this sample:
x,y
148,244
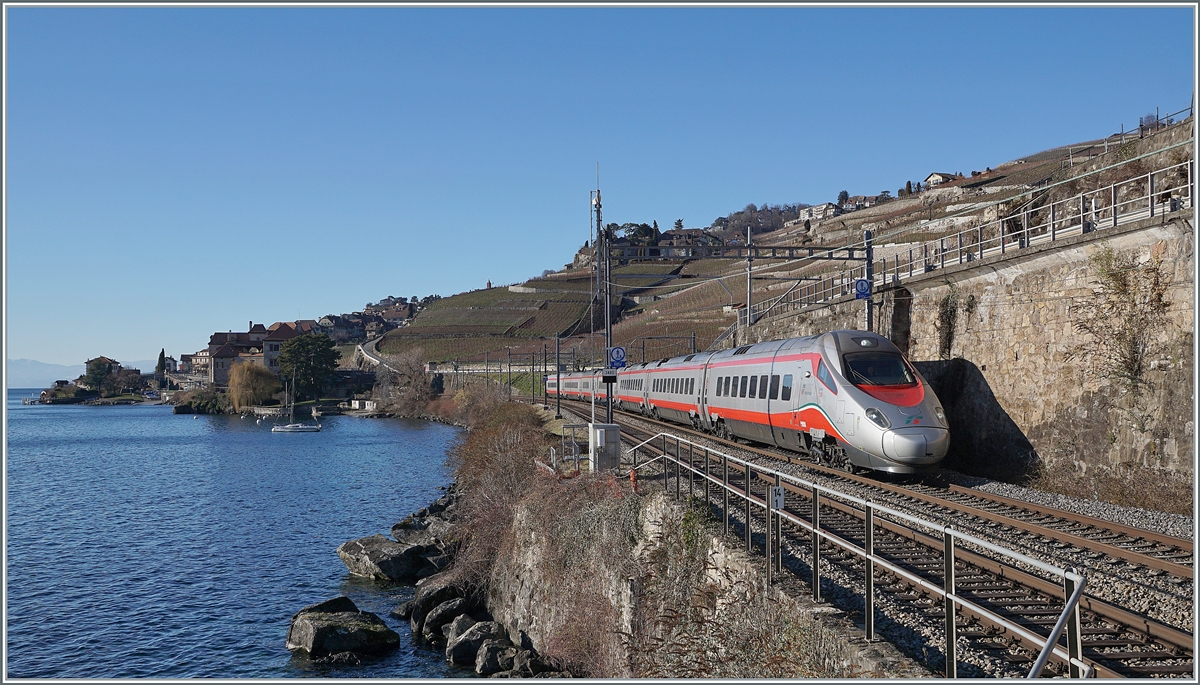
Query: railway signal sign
x,y
616,357
777,497
862,289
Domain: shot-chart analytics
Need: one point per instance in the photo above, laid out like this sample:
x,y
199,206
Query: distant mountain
x,y
30,373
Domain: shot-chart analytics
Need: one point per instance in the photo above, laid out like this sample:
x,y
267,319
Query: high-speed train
x,y
847,398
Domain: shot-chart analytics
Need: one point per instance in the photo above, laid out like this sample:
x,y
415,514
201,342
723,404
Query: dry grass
x,y
698,621
493,466
1127,485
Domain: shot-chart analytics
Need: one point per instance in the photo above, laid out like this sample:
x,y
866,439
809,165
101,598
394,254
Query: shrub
x,y
251,384
205,401
493,467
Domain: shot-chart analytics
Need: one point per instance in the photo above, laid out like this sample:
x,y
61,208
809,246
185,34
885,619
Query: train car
x,y
631,389
847,398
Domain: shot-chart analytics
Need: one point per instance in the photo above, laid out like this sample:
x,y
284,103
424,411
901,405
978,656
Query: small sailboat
x,y
294,427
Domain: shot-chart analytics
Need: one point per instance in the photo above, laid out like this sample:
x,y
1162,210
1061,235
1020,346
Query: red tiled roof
x,y
284,332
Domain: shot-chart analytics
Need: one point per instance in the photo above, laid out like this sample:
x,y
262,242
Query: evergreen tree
x,y
908,188
843,198
679,224
161,366
312,358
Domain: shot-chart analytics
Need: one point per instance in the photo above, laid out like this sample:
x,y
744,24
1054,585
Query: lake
x,y
145,544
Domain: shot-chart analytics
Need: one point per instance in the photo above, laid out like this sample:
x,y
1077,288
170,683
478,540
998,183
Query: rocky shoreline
x,y
421,550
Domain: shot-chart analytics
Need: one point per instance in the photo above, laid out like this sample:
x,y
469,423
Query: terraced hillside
x,y
519,317
665,303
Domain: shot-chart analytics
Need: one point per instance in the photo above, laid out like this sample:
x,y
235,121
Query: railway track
x,y
1117,642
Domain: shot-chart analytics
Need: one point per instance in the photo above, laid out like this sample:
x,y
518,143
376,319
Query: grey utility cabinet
x,y
604,446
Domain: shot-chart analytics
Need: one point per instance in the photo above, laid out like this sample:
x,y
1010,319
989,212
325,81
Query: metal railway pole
x,y
767,541
678,465
869,597
707,489
778,558
870,250
691,471
1074,629
545,370
1150,191
748,469
948,586
816,544
725,493
557,378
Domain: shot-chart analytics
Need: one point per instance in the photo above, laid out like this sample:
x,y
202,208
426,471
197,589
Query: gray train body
x,y
846,398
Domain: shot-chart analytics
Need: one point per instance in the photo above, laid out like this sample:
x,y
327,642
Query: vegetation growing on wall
x,y
1123,319
947,319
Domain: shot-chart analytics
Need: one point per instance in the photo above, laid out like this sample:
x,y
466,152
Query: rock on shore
x,y
381,557
335,630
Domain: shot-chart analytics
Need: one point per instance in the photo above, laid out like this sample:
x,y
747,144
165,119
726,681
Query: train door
x,y
777,409
802,394
702,398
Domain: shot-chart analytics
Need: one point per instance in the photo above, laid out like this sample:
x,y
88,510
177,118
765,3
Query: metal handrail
x,y
1036,671
1073,653
971,244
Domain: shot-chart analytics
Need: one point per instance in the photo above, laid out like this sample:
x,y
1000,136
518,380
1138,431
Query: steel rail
x,y
1182,543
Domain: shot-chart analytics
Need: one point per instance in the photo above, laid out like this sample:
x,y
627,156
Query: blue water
x,y
142,543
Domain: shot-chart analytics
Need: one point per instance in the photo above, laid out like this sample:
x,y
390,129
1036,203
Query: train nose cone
x,y
916,443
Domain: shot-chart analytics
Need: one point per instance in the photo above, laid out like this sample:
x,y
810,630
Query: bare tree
x,y
401,382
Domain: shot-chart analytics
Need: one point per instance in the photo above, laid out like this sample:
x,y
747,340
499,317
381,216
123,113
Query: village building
x,y
938,178
821,211
684,237
280,333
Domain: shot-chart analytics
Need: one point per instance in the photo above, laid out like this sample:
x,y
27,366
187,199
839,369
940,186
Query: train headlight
x,y
877,418
940,414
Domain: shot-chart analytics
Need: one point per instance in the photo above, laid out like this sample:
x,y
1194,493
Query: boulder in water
x,y
379,557
331,629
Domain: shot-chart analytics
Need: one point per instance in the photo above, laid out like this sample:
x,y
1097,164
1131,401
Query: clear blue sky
x,y
176,171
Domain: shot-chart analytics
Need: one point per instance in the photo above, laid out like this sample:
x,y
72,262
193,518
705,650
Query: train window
x,y
717,388
674,386
762,387
744,386
725,390
691,386
774,387
753,387
824,375
877,368
787,388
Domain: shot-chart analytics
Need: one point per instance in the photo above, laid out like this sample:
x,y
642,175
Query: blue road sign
x,y
862,289
616,357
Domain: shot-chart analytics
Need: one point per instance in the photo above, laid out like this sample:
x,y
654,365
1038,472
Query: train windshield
x,y
877,368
